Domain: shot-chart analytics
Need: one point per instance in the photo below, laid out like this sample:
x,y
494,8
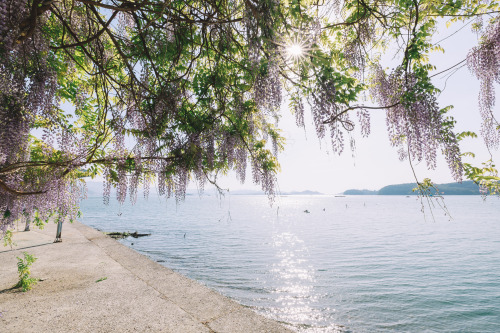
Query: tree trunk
x,y
59,232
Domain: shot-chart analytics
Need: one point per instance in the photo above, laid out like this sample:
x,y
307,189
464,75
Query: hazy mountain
x,y
95,189
464,188
360,192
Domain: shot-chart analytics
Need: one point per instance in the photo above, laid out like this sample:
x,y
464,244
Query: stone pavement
x,y
135,294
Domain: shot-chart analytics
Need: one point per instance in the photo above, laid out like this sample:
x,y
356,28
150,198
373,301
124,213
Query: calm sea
x,y
330,264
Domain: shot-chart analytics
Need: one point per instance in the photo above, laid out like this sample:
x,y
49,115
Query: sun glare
x,y
295,51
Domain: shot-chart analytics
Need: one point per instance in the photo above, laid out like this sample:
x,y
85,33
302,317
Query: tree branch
x,y
336,116
15,192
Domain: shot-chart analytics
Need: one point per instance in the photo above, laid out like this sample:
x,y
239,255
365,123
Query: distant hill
x,y
95,189
464,188
306,192
360,192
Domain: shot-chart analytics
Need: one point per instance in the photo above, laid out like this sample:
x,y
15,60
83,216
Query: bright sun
x,y
295,51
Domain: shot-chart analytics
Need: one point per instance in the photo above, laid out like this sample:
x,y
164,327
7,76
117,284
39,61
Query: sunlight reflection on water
x,y
295,276
353,264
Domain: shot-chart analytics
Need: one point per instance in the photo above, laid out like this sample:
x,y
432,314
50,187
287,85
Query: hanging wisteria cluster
x,y
355,47
414,120
484,61
28,88
323,107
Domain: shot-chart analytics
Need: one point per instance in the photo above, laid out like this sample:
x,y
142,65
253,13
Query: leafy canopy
x,y
168,91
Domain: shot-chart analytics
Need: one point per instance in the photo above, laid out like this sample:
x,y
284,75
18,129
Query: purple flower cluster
x,y
414,120
328,116
364,121
484,61
31,188
355,41
299,112
267,87
12,12
324,105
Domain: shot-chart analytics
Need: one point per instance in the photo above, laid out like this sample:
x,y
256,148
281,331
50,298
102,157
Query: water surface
x,y
352,264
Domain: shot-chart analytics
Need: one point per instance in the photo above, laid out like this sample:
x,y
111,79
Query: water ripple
x,y
354,264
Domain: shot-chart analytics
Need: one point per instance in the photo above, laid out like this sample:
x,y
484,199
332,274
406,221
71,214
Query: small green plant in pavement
x,y
26,281
7,239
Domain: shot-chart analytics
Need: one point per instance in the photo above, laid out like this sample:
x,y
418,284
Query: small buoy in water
x,y
132,244
184,235
324,209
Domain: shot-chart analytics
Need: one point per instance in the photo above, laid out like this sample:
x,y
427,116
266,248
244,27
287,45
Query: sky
x,y
308,164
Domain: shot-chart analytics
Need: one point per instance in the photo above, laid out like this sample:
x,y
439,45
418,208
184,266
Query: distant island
x,y
360,192
464,188
95,189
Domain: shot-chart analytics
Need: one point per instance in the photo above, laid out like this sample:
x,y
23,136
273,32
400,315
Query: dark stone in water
x,y
120,235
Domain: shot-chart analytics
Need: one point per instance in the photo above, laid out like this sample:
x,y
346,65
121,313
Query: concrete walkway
x,y
135,295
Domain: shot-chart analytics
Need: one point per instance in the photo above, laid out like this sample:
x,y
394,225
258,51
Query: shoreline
x,y
93,283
